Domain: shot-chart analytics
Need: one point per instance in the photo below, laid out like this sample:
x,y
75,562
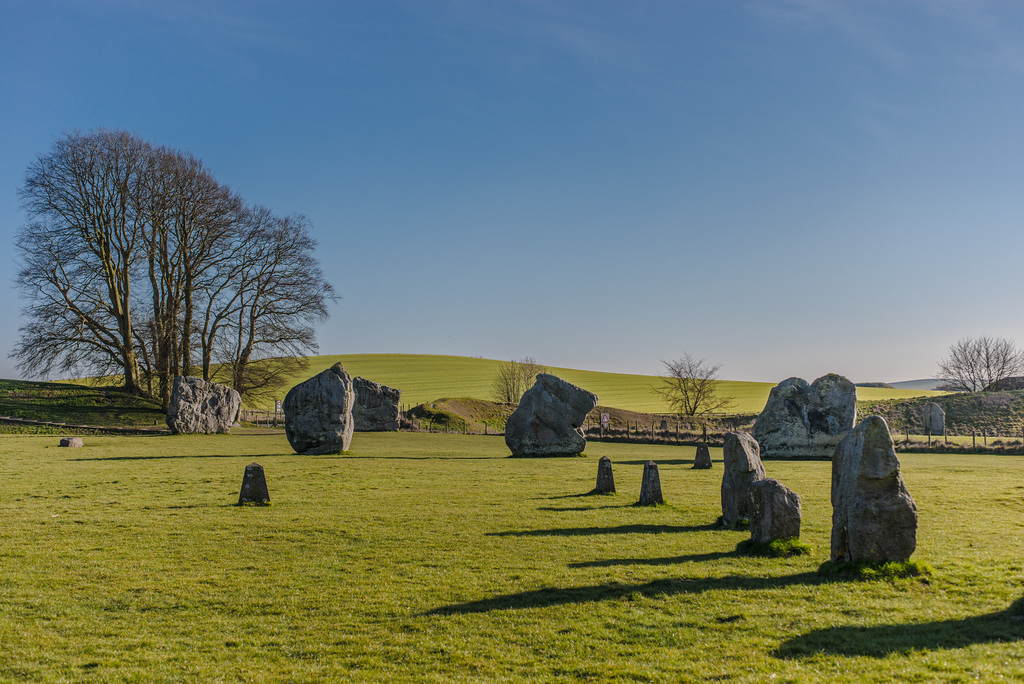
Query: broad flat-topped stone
x,y
549,419
198,406
318,413
874,517
71,442
774,511
377,406
806,421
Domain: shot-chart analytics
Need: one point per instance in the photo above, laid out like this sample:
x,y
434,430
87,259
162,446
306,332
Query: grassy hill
x,y
425,378
77,404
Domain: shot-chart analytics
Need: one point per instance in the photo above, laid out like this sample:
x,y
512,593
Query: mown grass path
x,y
428,557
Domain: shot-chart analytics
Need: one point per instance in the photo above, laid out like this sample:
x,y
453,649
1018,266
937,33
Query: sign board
x,y
604,420
277,406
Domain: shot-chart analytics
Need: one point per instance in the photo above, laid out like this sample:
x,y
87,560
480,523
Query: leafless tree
x,y
980,363
514,378
691,385
80,254
137,261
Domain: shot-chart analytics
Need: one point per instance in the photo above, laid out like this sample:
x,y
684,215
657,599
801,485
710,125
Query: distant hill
x,y
426,378
925,384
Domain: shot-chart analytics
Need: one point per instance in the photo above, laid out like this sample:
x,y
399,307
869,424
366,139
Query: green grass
x,y
425,378
432,557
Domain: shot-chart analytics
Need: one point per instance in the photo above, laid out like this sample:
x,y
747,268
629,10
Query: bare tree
x,y
690,386
514,378
137,263
975,364
80,255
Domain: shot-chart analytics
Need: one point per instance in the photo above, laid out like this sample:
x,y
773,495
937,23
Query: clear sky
x,y
783,187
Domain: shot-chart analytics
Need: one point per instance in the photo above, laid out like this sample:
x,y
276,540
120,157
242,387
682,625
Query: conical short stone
x,y
254,486
605,478
703,458
650,487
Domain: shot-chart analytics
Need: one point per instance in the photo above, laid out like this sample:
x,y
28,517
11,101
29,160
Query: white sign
x,y
604,420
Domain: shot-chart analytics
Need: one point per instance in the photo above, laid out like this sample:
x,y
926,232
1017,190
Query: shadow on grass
x,y
660,462
586,531
543,598
174,456
691,558
879,641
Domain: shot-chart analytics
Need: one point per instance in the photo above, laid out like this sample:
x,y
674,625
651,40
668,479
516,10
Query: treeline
x,y
137,262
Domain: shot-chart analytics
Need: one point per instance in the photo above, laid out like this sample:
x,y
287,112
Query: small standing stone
x,y
71,442
742,467
254,486
650,487
933,418
605,478
703,458
774,511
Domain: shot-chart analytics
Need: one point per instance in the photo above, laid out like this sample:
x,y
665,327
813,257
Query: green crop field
x,y
423,378
427,557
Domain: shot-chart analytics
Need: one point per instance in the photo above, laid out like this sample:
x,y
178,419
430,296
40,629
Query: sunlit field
x,y
431,557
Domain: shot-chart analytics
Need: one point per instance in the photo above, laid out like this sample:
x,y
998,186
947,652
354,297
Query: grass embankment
x,y
423,557
75,404
425,378
990,413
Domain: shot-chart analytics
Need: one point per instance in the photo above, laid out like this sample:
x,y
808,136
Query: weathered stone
x,y
254,486
198,406
741,468
650,485
873,515
376,408
549,419
318,413
71,442
605,477
934,419
806,421
774,511
702,461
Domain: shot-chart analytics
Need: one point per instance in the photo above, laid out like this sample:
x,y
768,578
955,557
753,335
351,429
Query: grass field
x,y
423,378
426,557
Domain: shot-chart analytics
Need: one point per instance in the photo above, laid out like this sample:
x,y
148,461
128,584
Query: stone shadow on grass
x,y
879,641
174,456
672,560
586,531
666,462
553,596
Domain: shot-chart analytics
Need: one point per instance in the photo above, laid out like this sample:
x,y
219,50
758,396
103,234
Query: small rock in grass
x,y
650,486
254,486
605,478
71,442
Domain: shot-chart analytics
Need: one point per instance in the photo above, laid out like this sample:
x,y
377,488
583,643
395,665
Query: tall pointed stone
x,y
318,413
702,461
742,467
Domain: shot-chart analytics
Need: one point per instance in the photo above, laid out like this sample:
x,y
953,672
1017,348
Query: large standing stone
x,y
742,467
71,442
318,413
806,421
254,486
199,406
774,511
873,515
650,486
934,419
376,408
605,477
702,461
549,419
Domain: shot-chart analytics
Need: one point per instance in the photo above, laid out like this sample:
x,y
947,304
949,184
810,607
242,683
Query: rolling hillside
x,y
423,378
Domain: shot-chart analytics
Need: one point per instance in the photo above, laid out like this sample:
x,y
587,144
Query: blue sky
x,y
785,188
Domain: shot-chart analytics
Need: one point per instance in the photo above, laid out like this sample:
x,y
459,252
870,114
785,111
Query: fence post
x,y
974,440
